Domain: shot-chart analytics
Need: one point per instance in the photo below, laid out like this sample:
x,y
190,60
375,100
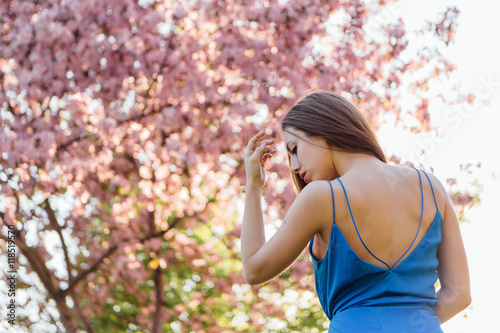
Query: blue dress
x,y
358,296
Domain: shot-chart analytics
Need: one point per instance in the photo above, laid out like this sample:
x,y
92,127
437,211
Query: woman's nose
x,y
294,165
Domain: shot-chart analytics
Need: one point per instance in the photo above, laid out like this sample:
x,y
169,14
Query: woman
x,y
379,235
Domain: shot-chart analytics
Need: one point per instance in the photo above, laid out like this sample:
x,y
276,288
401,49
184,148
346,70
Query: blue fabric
x,y
358,296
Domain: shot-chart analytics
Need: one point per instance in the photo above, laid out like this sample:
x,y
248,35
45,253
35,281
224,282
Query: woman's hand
x,y
257,153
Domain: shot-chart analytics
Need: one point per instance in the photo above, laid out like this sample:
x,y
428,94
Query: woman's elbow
x,y
461,300
255,275
466,299
459,295
251,281
251,277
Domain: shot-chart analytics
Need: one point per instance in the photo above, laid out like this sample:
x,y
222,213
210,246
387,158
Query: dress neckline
x,y
332,239
438,214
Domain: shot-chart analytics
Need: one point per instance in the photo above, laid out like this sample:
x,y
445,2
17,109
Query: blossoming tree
x,y
123,124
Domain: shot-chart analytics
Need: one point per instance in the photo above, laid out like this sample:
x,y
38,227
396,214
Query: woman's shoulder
x,y
439,191
400,178
319,194
317,189
397,175
325,196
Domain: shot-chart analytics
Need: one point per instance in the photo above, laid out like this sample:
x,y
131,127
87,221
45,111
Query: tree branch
x,y
37,263
55,225
86,323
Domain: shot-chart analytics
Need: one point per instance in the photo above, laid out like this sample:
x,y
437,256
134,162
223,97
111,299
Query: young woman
x,y
379,235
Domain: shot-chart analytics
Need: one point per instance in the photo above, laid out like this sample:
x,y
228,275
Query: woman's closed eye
x,y
294,150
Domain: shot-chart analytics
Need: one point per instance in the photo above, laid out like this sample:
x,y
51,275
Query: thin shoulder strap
x,y
333,201
355,226
432,188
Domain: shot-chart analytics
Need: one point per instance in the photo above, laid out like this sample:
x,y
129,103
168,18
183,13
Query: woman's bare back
x,y
386,205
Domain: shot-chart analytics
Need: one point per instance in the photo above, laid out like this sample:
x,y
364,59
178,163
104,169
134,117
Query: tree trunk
x,y
157,324
67,317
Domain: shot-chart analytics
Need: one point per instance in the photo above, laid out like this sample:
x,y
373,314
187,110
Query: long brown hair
x,y
332,117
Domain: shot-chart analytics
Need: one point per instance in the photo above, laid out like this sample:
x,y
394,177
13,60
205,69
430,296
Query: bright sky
x,y
469,137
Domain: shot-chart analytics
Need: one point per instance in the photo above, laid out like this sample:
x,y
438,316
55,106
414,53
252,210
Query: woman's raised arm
x,y
263,261
308,215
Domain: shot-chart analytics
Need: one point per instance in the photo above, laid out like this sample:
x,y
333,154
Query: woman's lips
x,y
303,176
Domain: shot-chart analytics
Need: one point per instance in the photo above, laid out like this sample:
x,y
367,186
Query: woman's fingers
x,y
252,143
261,146
266,154
258,151
257,136
255,141
266,142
